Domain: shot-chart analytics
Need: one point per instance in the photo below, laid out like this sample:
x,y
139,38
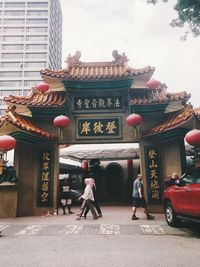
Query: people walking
x,y
138,199
66,197
88,198
95,202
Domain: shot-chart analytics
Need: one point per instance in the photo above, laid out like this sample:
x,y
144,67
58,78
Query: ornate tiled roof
x,y
24,123
175,120
38,99
77,70
145,97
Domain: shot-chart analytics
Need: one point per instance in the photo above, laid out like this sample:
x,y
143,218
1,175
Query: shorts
x,y
66,201
139,202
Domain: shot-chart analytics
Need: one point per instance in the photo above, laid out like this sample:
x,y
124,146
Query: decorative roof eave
x,y
140,81
156,96
37,99
97,72
174,121
24,123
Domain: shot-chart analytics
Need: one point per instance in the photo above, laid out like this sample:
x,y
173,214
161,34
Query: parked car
x,y
182,201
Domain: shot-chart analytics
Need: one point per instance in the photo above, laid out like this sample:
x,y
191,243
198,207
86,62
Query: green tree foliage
x,y
188,14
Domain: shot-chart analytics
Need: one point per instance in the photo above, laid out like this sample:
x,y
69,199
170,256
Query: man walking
x,y
138,199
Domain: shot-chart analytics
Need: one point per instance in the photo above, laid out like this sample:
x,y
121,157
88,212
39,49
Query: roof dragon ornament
x,y
73,60
119,59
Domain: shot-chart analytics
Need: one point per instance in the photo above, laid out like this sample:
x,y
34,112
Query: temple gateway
x,y
103,102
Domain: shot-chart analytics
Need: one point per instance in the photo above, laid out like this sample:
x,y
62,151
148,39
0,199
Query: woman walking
x,y
95,203
88,198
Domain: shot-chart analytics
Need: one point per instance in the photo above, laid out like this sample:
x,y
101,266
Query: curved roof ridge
x,y
24,123
175,120
48,99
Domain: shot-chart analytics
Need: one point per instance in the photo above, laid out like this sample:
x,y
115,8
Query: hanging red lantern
x,y
42,87
193,137
153,84
134,120
7,143
84,165
61,121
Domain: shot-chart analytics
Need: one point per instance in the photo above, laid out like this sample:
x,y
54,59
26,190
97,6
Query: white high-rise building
x,y
30,40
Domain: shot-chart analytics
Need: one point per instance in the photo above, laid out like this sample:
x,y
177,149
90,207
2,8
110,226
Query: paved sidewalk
x,y
111,215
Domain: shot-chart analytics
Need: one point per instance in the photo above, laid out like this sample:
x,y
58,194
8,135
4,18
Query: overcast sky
x,y
97,27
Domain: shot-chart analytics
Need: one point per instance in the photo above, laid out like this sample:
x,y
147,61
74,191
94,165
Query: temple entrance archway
x,y
97,98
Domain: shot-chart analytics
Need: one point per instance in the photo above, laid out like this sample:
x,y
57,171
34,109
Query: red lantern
x,y
7,143
134,120
153,84
61,121
193,137
42,87
84,165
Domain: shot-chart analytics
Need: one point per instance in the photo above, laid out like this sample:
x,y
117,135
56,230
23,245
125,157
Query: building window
x,y
32,74
37,29
36,55
32,82
14,4
10,83
13,29
36,38
10,64
37,4
13,47
36,46
14,13
37,21
10,74
37,13
14,21
36,64
13,38
11,55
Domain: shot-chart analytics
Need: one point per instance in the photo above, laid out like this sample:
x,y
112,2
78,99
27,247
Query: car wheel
x,y
170,215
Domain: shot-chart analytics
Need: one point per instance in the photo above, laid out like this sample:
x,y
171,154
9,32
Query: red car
x,y
182,201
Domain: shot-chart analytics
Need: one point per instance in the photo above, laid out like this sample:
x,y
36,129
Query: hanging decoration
x,y
135,120
42,87
193,137
61,122
153,84
84,166
7,143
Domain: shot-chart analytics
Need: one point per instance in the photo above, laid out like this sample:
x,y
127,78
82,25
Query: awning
x,y
120,151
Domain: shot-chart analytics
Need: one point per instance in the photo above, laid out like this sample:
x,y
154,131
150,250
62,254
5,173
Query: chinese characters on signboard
x,y
44,194
153,171
101,127
97,103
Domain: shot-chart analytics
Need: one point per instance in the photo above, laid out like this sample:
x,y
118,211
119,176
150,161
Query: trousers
x,y
87,203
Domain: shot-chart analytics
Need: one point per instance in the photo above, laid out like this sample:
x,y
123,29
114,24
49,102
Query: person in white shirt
x,y
88,198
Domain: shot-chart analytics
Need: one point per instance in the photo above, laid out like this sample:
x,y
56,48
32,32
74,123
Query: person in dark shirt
x,y
138,199
174,179
66,197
